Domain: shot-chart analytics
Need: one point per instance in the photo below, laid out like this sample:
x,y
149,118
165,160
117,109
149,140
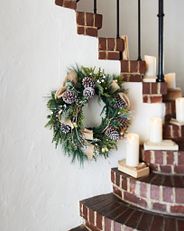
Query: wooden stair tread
x,y
117,213
79,228
157,179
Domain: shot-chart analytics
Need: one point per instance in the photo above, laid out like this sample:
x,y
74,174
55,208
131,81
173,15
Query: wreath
x,y
67,119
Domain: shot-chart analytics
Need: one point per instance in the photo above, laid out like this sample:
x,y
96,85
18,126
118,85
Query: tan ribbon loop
x,y
125,99
71,76
88,134
89,151
114,86
60,92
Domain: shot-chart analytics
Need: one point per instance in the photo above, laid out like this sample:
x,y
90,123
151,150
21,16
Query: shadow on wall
x,y
174,35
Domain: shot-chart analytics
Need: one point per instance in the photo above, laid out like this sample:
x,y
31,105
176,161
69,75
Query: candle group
x,y
180,109
156,129
132,150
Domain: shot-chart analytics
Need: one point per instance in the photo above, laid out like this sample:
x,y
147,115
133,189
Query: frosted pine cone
x,y
69,97
119,103
112,134
65,128
123,121
89,92
88,82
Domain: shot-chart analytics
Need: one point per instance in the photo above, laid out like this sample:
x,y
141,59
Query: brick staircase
x,y
151,203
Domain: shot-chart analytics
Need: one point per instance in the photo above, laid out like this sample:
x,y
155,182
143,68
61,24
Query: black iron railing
x,y
139,30
160,76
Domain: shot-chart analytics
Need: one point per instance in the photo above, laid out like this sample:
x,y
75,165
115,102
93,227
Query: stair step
x,y
156,192
66,3
173,131
79,228
107,212
133,70
164,162
111,48
88,23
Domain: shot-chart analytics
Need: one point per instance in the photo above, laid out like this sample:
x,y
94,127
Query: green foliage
x,y
73,140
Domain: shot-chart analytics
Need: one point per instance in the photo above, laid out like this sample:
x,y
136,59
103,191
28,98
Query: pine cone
x,y
65,128
119,103
69,97
112,134
123,121
88,82
89,92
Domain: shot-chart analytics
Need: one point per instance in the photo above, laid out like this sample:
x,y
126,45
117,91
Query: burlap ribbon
x,y
89,151
114,86
71,76
87,134
125,99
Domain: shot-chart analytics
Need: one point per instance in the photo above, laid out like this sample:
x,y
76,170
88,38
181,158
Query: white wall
x,y
174,33
39,187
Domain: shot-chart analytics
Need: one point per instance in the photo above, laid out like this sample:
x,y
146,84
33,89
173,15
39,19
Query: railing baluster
x,y
95,6
160,77
139,30
118,26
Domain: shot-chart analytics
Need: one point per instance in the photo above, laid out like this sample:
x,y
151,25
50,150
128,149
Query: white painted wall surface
x,y
39,187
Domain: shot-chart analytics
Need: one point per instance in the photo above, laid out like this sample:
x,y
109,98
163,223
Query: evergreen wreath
x,y
67,120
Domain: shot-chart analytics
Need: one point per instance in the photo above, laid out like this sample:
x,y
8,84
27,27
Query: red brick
x,y
181,158
132,77
91,217
142,67
134,66
98,21
123,182
114,55
177,209
146,88
179,169
89,19
91,32
66,3
155,192
143,190
152,98
168,194
159,207
111,44
80,30
170,158
80,18
113,176
92,227
135,200
147,156
99,221
117,191
117,226
179,195
132,185
124,66
166,168
102,44
158,157
107,224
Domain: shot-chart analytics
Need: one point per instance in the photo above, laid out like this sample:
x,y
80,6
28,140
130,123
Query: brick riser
x,y
164,162
106,213
162,194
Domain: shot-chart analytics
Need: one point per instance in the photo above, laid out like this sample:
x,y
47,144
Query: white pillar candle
x,y
151,63
156,128
132,150
180,110
170,79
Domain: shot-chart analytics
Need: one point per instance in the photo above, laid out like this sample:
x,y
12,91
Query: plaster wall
x,y
39,187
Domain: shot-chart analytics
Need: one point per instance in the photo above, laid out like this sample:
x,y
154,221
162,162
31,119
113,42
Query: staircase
x,y
151,203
